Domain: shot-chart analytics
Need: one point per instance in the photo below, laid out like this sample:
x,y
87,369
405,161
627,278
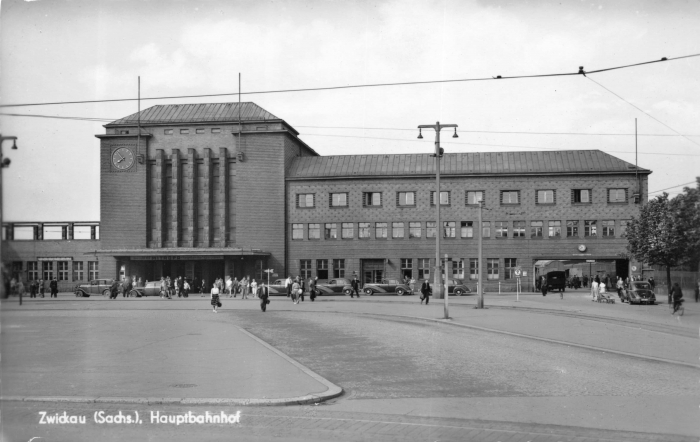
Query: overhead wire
x,y
356,86
673,187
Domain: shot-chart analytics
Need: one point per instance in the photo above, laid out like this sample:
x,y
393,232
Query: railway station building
x,y
209,190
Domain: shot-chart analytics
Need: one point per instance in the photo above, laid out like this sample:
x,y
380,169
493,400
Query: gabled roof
x,y
477,163
197,113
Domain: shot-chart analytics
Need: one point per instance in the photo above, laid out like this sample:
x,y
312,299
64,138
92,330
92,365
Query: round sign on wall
x,y
634,268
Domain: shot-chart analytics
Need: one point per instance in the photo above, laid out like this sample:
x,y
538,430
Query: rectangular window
x,y
93,270
536,229
617,195
501,229
199,131
380,230
330,231
467,229
492,268
305,200
554,229
25,233
33,270
124,132
545,197
590,228
63,270
364,230
444,198
486,229
322,268
510,197
55,232
372,199
168,132
78,272
581,196
216,130
572,228
314,231
48,270
474,197
406,268
458,269
347,231
339,268
509,265
518,229
623,227
449,229
297,231
95,232
184,131
405,199
82,232
305,267
430,229
397,231
424,268
414,230
608,227
339,199
473,269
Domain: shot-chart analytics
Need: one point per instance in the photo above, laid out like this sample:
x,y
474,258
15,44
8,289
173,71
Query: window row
x,y
461,229
61,270
214,130
50,232
471,197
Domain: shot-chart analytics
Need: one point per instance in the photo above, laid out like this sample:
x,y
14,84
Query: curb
x,y
333,391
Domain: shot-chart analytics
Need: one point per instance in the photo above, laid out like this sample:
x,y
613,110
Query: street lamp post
x,y
437,285
4,162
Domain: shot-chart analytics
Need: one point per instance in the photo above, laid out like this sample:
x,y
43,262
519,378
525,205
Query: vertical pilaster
x,y
205,204
176,205
158,195
223,196
190,187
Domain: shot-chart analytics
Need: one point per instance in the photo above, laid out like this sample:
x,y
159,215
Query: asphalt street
x,y
493,374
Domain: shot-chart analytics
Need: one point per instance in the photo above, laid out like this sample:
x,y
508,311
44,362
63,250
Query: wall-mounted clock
x,y
581,248
123,158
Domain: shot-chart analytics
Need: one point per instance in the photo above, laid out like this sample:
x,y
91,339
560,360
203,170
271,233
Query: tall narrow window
x,y
572,228
406,267
330,231
467,229
414,230
458,268
347,231
93,270
33,270
305,267
297,231
554,229
363,229
608,227
590,228
339,268
509,266
473,269
314,231
449,229
63,271
424,268
430,229
501,229
518,229
397,230
492,268
78,273
380,230
486,229
536,229
406,199
322,268
48,270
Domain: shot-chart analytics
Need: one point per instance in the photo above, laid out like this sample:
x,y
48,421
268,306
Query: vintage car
x,y
555,280
387,286
278,287
94,287
639,292
456,287
334,286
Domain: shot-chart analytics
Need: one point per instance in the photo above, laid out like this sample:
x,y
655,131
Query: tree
x,y
687,205
657,236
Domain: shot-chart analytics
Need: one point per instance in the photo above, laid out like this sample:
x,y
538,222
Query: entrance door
x,y
372,270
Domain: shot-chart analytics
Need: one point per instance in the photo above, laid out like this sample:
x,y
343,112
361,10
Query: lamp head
x,y
420,134
455,134
14,144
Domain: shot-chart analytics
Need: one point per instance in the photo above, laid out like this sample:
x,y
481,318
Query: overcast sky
x,y
90,50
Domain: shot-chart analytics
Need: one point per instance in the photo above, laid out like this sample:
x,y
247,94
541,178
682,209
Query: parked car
x,y
387,286
457,287
639,292
94,287
334,286
278,287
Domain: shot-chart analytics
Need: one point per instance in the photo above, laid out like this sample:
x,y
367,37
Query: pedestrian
x,y
288,283
585,281
620,287
180,287
697,291
312,288
595,288
302,286
235,286
652,283
162,287
543,285
677,295
32,289
114,289
264,296
185,288
126,287
53,285
229,286
20,288
296,288
215,303
42,288
244,287
602,286
425,291
355,285
254,289
202,288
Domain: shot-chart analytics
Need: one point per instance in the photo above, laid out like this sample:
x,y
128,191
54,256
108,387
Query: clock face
x,y
581,248
123,158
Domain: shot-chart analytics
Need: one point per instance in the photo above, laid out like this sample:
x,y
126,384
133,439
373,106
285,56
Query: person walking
x,y
652,283
412,285
620,287
254,289
20,288
595,288
244,287
229,286
302,286
185,288
312,288
425,291
355,285
126,287
677,295
264,295
53,285
295,292
202,288
235,285
42,288
32,289
180,287
543,285
162,287
114,289
215,303
289,283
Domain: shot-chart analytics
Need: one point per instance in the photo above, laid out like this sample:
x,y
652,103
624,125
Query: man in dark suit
x,y
355,284
425,291
264,295
53,285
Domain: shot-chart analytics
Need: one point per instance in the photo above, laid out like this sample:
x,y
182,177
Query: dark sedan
x,y
387,286
639,292
334,286
94,287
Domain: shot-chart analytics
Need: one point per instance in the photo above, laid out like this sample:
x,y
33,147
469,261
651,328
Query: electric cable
x,y
356,86
673,187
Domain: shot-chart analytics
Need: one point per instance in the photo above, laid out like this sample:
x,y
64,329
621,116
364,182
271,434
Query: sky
x,y
52,51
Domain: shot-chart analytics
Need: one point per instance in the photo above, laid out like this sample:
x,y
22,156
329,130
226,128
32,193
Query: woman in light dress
x,y
594,288
254,289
